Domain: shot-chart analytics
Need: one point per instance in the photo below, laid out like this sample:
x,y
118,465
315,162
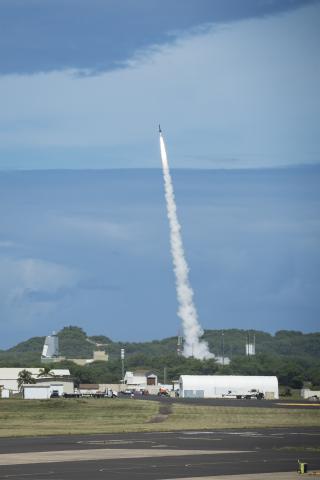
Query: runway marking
x,y
256,476
200,438
100,454
199,433
248,434
251,476
13,475
112,442
300,404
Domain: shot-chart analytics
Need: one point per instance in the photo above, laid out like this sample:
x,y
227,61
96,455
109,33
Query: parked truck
x,y
247,395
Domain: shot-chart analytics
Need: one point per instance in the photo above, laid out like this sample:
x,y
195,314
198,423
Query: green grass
x,y
194,416
76,416
53,417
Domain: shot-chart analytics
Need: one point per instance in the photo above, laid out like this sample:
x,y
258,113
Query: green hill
x,y
294,357
74,343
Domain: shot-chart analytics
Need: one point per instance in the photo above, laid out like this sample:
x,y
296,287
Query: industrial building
x,y
9,378
141,379
218,386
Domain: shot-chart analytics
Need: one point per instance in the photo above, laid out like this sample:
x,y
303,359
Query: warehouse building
x,y
219,386
9,377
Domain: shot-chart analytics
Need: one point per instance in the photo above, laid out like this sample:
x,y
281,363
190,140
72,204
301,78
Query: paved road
x,y
156,456
233,402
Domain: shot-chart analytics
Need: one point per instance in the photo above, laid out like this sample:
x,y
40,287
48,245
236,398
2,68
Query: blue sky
x,y
91,248
84,84
84,236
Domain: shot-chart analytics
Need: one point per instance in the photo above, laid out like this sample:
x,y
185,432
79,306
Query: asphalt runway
x,y
162,455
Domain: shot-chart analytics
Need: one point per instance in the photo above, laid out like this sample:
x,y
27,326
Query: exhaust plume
x,y
192,330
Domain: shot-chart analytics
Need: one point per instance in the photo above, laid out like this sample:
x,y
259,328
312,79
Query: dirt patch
x,y
158,418
165,409
164,412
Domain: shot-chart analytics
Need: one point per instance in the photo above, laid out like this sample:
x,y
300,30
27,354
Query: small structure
x,y
306,393
98,356
140,379
50,351
62,386
250,346
222,360
88,388
218,386
4,392
36,392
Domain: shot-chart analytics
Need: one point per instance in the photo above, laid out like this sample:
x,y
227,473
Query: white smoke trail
x,y
192,330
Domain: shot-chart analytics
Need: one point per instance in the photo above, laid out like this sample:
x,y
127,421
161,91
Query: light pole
x,y
122,364
222,346
165,375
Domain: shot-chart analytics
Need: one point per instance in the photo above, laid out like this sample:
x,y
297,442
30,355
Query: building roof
x,y
89,386
190,381
35,385
60,372
13,373
142,373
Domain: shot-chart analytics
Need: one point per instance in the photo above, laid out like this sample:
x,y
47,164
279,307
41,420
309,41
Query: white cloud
x,y
30,290
246,92
22,276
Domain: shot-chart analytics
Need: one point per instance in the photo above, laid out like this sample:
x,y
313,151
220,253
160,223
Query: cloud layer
x,y
97,36
243,94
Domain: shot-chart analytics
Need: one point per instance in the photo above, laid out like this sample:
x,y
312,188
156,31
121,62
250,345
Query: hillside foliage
x,y
294,357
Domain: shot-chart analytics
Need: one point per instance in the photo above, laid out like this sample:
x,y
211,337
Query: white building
x,y
307,393
36,392
218,386
9,376
4,392
140,379
60,386
50,349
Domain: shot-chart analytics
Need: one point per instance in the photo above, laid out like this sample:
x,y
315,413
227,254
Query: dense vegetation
x,y
293,356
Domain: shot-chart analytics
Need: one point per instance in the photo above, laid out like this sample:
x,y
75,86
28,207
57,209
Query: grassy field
x,y
75,416
53,417
193,416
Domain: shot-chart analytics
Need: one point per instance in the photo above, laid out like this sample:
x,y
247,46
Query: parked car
x,y
127,391
54,394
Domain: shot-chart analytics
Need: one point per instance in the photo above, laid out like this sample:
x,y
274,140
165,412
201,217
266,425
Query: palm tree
x,y
45,372
25,377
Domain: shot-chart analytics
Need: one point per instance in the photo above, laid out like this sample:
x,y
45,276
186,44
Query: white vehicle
x,y
248,395
111,393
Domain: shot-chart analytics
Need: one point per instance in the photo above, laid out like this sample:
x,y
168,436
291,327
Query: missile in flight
x,y
160,131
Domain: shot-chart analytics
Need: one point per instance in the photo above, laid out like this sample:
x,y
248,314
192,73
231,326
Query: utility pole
x,y
165,375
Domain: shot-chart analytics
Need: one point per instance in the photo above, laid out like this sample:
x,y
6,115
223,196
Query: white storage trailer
x,y
219,386
36,392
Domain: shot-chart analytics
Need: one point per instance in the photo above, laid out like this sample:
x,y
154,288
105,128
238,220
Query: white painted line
x,y
254,476
100,454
